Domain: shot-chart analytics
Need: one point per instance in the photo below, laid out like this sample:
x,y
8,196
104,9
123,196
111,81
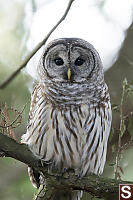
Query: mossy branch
x,y
100,187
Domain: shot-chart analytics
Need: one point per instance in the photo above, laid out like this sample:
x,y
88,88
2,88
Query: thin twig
x,y
122,125
127,145
6,120
31,54
19,115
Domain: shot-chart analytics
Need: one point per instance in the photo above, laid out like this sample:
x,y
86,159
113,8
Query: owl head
x,y
70,60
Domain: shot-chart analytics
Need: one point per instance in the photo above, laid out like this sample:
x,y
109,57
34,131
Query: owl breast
x,y
71,137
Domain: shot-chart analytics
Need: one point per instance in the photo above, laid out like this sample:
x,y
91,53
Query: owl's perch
x,y
100,187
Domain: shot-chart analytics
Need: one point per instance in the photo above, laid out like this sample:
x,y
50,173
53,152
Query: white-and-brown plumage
x,y
70,114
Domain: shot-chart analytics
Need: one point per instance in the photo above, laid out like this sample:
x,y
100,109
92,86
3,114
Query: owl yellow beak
x,y
69,74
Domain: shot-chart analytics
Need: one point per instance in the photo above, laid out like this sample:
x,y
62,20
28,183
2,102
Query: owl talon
x,y
67,172
47,162
42,163
64,171
79,176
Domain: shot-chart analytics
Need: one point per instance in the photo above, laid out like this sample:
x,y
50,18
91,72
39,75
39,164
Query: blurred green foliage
x,y
14,180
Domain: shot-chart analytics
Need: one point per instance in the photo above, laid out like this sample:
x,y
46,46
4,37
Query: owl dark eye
x,y
79,61
59,61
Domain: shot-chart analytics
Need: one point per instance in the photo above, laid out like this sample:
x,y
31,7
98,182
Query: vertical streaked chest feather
x,y
71,137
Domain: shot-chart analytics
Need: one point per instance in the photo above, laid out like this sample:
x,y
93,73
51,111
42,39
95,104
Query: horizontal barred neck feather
x,y
63,94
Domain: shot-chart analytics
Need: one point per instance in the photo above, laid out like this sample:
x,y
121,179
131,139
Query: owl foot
x,y
65,173
79,175
45,163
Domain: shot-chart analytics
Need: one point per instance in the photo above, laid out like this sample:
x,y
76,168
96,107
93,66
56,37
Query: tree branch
x,y
31,54
100,187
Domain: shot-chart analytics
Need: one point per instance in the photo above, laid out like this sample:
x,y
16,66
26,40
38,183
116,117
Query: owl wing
x,y
37,122
32,115
97,128
30,138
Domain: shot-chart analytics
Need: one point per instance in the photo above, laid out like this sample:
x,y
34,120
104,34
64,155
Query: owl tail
x,y
58,194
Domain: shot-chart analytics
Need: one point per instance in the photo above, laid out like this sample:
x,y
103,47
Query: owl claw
x,y
64,171
48,162
79,176
43,163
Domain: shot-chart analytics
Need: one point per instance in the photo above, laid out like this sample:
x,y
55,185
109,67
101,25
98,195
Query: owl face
x,y
69,60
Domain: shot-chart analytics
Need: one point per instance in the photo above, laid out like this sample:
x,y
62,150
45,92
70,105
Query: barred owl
x,y
70,114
